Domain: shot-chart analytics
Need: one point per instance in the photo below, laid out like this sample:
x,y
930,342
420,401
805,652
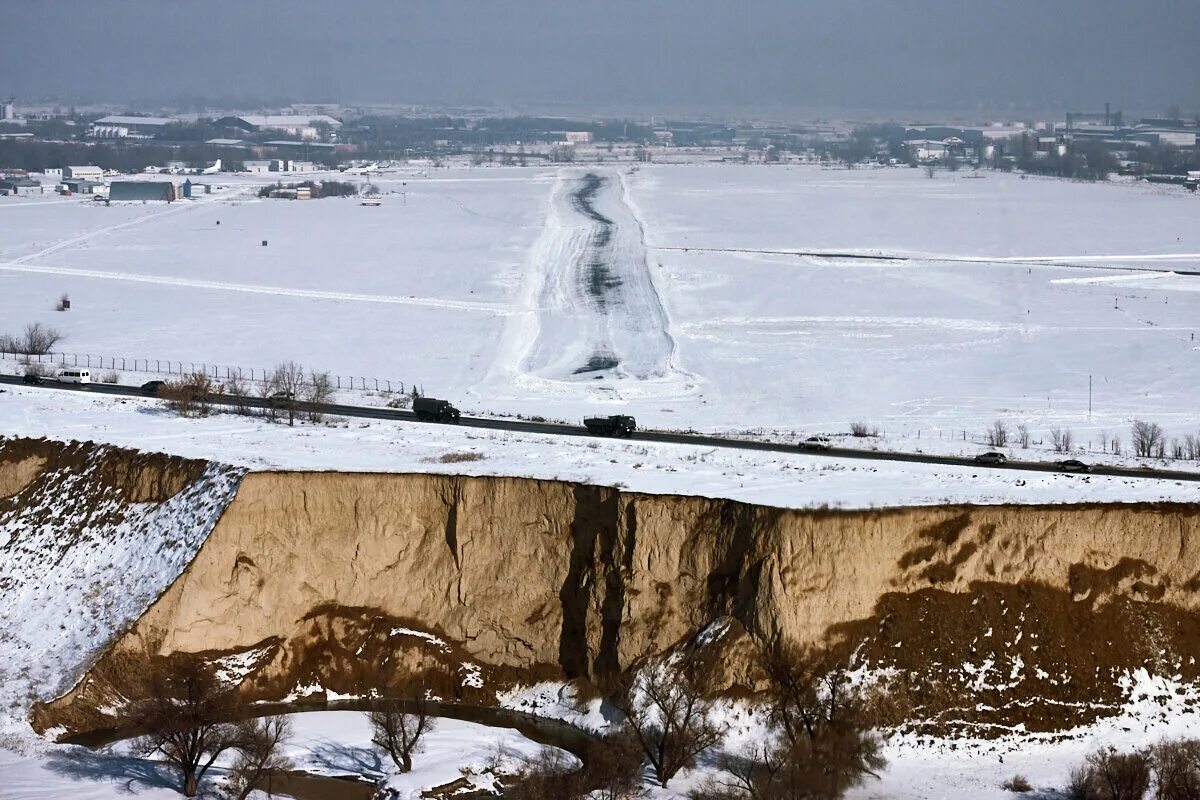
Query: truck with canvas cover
x,y
616,425
429,409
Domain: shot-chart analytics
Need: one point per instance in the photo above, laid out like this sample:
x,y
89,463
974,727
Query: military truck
x,y
429,409
616,425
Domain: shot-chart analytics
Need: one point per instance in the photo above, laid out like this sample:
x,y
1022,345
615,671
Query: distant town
x,y
72,152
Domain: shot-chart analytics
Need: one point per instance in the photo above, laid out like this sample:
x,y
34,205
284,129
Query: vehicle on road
x,y
991,458
33,378
615,425
153,387
816,443
282,396
429,409
1073,465
74,375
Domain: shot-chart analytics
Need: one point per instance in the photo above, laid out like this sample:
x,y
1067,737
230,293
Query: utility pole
x,y
1089,396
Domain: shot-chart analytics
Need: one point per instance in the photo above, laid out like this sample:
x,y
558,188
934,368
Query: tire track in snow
x,y
593,319
249,288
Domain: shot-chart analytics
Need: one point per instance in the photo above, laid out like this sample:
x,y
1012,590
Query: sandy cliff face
x,y
318,579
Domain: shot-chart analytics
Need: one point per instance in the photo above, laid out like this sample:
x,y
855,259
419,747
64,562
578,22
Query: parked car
x,y
991,458
816,443
153,387
1073,465
33,378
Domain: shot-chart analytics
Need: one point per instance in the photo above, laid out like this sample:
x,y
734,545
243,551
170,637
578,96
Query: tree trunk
x,y
190,785
406,766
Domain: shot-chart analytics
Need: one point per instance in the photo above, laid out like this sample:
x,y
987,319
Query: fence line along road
x,y
155,366
665,437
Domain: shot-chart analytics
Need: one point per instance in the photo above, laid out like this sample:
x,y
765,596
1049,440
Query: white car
x,y
816,443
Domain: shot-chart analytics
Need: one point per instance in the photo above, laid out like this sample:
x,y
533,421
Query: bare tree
x,y
238,388
1146,437
1062,439
319,390
997,435
1023,436
1176,765
399,734
181,716
260,752
288,382
37,340
667,713
1119,776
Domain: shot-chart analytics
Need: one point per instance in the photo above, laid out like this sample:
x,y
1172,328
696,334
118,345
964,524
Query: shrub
x,y
1017,783
861,430
110,377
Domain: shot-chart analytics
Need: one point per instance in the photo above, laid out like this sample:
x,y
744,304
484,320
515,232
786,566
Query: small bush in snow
x,y
1017,783
110,377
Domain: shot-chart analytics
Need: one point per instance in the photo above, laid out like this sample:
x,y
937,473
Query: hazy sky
x,y
701,54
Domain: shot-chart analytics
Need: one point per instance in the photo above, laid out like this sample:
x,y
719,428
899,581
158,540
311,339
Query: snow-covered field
x,y
478,284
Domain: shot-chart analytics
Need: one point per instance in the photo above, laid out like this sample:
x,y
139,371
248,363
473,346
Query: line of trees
x,y
285,392
1146,439
1172,767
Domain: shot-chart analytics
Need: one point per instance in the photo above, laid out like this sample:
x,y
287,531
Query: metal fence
x,y
155,366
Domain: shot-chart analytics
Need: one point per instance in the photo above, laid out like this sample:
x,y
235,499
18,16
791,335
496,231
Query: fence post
x,y
389,383
339,380
377,384
122,364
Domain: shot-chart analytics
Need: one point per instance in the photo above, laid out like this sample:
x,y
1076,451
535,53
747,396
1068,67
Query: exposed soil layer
x,y
996,615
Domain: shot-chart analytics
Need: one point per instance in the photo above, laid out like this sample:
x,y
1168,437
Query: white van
x,y
74,375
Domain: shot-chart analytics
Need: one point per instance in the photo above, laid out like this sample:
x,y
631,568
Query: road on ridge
x,y
664,437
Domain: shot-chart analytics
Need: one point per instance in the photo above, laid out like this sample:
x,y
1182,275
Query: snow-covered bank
x,y
776,479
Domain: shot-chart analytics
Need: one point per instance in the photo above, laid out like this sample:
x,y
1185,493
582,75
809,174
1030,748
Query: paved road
x,y
699,440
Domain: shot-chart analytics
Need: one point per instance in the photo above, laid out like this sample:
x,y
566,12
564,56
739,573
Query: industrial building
x,y
305,126
88,173
142,191
124,127
81,186
19,185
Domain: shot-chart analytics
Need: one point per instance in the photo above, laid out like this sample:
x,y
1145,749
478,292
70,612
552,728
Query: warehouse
x,y
143,191
19,185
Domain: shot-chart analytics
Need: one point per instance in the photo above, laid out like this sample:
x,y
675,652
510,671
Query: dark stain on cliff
x,y
607,663
452,520
731,588
594,522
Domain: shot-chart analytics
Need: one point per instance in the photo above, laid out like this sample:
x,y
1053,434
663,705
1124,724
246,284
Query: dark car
x,y
153,387
33,378
991,458
1073,465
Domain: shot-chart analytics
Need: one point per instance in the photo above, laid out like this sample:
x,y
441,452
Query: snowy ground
x,y
778,479
332,743
476,283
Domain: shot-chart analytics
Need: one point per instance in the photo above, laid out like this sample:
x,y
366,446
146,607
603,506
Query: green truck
x,y
429,409
616,425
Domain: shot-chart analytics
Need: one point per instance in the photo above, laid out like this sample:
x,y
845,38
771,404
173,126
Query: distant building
x,y
125,127
261,165
18,185
927,149
53,172
87,173
306,126
80,186
578,137
143,191
300,166
8,109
